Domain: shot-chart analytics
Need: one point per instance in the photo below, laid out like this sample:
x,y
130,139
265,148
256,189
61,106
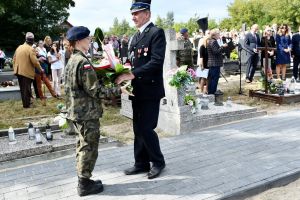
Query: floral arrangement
x,y
182,77
109,68
61,118
191,101
275,85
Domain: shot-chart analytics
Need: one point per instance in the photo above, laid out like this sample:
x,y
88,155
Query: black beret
x,y
77,33
138,5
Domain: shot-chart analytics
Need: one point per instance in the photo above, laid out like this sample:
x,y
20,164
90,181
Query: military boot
x,y
87,186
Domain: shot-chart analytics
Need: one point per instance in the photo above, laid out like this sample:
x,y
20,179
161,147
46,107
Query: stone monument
x,y
175,117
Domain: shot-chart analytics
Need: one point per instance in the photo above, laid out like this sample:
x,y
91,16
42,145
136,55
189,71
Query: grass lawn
x,y
117,126
13,114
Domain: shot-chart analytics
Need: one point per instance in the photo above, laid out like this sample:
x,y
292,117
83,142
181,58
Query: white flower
x,y
190,102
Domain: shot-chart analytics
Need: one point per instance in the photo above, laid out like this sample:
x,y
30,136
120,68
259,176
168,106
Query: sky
x,y
96,13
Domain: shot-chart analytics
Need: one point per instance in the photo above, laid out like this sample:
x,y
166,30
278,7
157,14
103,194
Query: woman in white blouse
x,y
56,60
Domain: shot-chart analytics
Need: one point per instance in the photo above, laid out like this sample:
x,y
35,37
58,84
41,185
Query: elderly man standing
x,y
25,61
185,56
252,41
147,54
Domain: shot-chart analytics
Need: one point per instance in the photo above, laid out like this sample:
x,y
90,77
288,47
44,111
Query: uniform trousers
x,y
146,142
296,62
88,135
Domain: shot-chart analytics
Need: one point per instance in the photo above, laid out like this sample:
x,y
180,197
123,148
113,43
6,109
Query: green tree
x,y
178,26
159,22
263,12
38,16
192,25
165,23
169,21
120,29
225,24
289,15
212,24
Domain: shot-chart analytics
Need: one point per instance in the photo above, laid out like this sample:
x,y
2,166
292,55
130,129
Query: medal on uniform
x,y
139,52
145,51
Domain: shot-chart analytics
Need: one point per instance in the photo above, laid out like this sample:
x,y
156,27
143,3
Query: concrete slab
x,y
227,162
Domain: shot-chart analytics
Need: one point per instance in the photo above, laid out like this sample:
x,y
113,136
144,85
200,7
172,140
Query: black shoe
x,y
155,171
87,186
136,170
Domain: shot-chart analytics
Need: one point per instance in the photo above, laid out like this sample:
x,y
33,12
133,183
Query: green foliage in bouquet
x,y
273,84
109,75
234,55
181,78
189,100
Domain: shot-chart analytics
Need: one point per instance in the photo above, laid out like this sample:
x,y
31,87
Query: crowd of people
x,y
45,64
214,46
52,58
52,61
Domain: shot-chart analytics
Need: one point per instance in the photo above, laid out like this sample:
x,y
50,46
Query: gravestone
x,y
175,117
9,92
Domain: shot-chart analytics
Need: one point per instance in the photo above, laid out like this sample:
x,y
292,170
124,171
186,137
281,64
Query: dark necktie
x,y
138,34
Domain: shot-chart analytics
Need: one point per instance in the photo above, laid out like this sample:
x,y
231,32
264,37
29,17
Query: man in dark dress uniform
x,y
147,53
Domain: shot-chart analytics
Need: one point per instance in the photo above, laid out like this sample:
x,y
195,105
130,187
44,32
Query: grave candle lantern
x,y
38,139
49,135
219,98
204,102
11,136
31,132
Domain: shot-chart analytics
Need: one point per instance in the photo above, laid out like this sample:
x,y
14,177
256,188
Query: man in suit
x,y
252,41
25,62
296,55
147,53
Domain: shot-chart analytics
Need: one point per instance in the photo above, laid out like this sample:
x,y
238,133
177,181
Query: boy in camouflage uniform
x,y
185,56
83,105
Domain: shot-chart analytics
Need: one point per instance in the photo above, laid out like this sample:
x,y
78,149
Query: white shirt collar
x,y
142,28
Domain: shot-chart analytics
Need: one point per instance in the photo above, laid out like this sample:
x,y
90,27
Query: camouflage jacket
x,y
82,88
185,56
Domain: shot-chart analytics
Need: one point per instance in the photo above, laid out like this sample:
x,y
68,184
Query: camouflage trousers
x,y
71,128
88,135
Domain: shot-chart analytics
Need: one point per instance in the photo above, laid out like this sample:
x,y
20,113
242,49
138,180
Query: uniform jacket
x,y
147,54
251,43
25,61
296,44
82,89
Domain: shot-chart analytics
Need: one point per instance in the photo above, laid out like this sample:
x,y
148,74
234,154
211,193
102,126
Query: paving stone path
x,y
211,164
